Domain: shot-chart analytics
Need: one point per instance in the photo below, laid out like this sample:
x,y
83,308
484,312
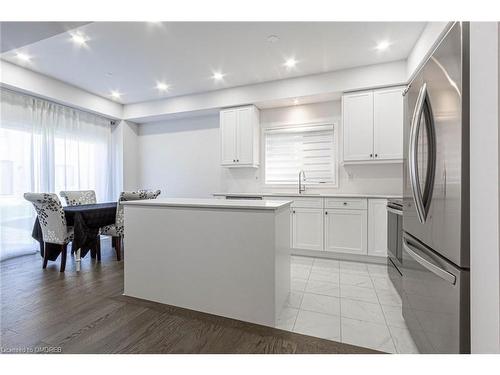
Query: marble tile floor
x,y
349,302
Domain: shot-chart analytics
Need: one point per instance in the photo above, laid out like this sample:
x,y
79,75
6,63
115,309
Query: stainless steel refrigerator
x,y
435,285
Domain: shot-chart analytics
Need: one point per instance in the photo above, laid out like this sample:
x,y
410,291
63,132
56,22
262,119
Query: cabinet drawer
x,y
347,203
307,202
299,202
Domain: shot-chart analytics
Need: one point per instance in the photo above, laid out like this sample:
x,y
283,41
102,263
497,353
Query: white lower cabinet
x,y
346,231
377,227
338,225
307,228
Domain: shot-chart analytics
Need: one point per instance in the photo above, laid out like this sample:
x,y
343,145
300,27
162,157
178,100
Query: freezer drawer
x,y
435,300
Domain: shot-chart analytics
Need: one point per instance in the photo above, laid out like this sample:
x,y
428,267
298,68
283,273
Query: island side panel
x,y
219,261
282,259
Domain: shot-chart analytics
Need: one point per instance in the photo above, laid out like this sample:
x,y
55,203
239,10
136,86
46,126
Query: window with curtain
x,y
46,147
311,148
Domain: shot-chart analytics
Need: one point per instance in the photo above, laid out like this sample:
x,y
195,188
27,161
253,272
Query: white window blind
x,y
308,148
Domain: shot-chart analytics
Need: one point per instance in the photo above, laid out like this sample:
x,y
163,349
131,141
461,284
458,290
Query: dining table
x,y
86,220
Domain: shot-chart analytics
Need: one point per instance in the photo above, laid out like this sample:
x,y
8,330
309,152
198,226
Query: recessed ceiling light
x,y
218,76
383,45
290,63
295,101
273,38
162,86
23,56
116,94
79,39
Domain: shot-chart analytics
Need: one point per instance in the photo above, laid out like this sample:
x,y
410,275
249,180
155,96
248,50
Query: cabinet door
x,y
388,124
377,227
345,231
358,126
307,228
245,136
228,129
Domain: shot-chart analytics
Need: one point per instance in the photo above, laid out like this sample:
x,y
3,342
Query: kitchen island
x,y
229,258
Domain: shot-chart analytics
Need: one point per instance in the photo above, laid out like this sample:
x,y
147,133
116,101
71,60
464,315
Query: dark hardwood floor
x,y
86,313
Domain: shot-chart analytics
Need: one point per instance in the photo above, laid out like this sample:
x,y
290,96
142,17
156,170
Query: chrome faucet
x,y
302,187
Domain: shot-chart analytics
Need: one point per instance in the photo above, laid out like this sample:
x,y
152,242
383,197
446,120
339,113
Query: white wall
x,y
131,179
125,154
117,158
182,157
27,81
484,185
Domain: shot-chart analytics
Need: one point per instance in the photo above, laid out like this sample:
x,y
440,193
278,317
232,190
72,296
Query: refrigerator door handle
x,y
412,157
438,271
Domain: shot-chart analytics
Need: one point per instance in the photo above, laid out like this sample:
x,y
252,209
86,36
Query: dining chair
x,y
53,223
78,197
116,230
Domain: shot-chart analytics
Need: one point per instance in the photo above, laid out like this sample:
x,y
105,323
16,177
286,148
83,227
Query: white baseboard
x,y
340,256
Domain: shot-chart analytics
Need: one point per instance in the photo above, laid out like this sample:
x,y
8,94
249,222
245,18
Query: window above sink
x,y
308,147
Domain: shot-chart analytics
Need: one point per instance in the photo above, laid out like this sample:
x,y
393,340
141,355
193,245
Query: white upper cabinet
x,y
239,129
228,125
377,227
358,125
388,124
373,126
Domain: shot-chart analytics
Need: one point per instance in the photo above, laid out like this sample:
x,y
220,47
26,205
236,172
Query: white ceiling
x,y
18,34
131,57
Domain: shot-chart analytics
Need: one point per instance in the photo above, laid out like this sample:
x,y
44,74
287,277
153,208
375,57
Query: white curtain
x,y
46,147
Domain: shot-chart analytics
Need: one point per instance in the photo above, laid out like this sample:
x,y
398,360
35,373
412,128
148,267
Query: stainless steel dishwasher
x,y
395,242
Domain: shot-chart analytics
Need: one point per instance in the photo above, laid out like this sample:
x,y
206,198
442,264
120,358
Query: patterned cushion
x,y
51,216
116,230
78,197
109,230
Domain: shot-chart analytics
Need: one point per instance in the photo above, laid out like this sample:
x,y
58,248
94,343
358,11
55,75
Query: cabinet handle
x,y
376,155
293,211
345,203
371,155
237,160
326,212
234,160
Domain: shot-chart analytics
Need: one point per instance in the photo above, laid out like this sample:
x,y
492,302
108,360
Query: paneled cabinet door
x,y
388,124
307,228
377,227
245,136
228,127
345,231
357,114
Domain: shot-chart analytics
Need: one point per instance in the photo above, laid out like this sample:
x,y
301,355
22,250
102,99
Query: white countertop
x,y
313,195
211,203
